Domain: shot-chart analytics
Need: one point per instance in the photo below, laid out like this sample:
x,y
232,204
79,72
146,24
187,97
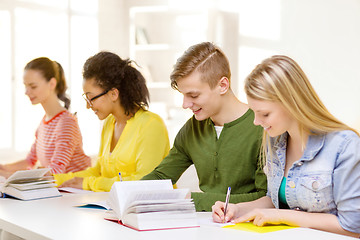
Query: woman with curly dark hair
x,y
133,140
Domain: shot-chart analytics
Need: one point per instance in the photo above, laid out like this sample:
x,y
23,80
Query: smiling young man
x,y
220,139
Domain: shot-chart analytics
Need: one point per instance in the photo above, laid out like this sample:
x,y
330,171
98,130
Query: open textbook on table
x,y
29,185
152,205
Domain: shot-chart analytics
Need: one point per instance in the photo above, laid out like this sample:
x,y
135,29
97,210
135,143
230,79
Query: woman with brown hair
x,y
58,142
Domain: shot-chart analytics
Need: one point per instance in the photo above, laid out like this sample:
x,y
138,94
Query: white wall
x,y
323,36
113,27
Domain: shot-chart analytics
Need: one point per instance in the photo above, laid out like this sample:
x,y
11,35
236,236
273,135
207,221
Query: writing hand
x,y
218,212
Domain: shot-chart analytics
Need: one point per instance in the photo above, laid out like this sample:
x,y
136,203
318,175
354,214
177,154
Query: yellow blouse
x,y
142,145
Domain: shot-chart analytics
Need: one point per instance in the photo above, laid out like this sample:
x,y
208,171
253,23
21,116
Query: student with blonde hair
x,y
58,140
220,139
312,160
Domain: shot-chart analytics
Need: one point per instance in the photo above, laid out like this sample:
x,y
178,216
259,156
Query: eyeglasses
x,y
90,101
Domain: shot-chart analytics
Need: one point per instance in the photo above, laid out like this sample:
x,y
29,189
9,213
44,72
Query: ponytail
x,y
110,71
61,85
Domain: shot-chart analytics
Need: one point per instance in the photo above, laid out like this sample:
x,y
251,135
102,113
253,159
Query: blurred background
x,y
323,36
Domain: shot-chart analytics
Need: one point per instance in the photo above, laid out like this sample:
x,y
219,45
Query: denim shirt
x,y
325,179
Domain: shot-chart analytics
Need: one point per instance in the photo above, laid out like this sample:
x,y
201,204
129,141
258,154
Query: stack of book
x,y
151,205
29,185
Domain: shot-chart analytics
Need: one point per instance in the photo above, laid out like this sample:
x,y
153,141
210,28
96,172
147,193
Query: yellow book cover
x,y
250,227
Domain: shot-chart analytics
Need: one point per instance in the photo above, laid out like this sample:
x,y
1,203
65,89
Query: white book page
x,y
126,190
210,222
151,195
73,190
160,201
113,202
23,187
157,196
40,182
122,191
24,174
188,206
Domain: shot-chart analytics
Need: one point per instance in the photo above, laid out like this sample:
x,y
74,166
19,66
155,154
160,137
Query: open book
x,y
151,205
29,185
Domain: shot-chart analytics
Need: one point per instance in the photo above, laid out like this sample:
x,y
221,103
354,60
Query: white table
x,y
57,218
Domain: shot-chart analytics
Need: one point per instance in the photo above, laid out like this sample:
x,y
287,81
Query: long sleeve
x,y
92,179
152,148
96,183
141,147
173,165
134,157
347,185
91,171
67,140
231,160
31,157
204,200
58,145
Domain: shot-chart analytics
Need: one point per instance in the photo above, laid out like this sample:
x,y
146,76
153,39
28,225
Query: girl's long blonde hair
x,y
279,78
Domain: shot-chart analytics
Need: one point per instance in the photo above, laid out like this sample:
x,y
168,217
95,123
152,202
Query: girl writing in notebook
x,y
58,141
133,140
312,160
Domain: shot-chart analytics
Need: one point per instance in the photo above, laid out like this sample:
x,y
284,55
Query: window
x,y
62,30
5,96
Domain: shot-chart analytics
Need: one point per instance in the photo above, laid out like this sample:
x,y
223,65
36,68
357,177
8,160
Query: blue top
x,y
282,197
325,179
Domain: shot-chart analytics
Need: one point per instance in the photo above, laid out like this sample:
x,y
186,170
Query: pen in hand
x,y
120,176
227,201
